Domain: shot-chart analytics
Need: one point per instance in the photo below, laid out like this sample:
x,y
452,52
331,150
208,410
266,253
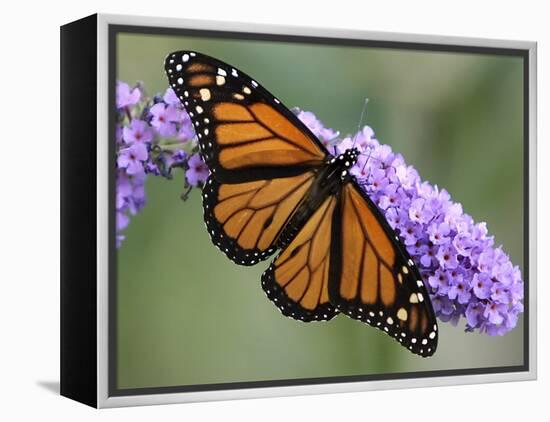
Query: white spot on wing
x,y
402,314
205,94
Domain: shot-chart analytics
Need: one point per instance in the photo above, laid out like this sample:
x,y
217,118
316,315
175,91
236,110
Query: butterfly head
x,y
344,162
350,157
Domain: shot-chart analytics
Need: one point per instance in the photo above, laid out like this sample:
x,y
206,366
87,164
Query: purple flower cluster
x,y
153,137
467,275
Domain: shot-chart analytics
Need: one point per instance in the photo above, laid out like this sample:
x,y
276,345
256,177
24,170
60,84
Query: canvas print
x,y
291,211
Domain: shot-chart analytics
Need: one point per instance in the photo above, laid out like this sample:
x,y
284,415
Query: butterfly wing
x,y
245,220
244,132
261,156
372,277
297,280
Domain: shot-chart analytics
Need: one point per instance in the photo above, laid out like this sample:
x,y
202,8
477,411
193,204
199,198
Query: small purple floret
x,y
125,96
198,171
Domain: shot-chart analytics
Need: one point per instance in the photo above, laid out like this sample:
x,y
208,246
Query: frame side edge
x,y
78,211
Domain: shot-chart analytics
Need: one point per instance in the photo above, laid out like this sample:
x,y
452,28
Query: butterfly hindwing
x,y
244,133
297,280
245,220
372,277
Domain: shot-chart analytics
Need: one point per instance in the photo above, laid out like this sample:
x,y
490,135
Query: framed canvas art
x,y
253,210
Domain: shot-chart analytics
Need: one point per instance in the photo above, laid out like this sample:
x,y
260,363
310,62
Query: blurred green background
x,y
187,315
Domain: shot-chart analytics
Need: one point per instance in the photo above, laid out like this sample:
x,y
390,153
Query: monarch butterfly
x,y
274,187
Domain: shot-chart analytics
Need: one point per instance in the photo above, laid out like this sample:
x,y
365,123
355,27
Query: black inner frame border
x,y
114,30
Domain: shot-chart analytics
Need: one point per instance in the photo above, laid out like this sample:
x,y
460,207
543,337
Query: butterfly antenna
x,y
369,157
363,114
367,160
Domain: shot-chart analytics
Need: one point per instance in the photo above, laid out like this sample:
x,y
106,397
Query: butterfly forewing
x,y
373,278
244,133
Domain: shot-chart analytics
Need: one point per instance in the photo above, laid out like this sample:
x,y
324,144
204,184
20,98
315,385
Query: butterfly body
x,y
274,187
